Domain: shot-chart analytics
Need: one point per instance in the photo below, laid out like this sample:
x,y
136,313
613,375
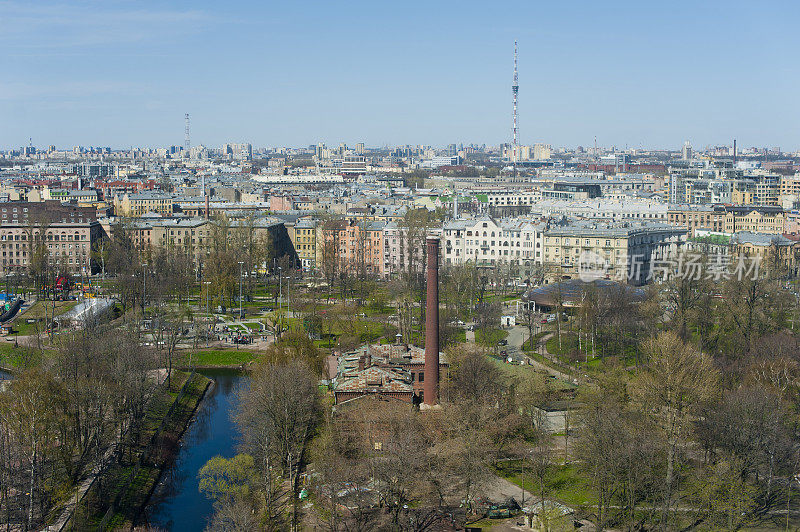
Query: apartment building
x,y
69,233
693,217
192,234
305,243
486,242
761,219
790,185
728,218
187,233
355,245
137,204
632,209
628,251
774,252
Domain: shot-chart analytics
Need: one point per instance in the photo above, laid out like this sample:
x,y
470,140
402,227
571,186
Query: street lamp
x,y
240,289
208,310
144,291
280,289
524,455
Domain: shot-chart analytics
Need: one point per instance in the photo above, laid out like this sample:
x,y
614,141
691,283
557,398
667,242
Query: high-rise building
x,y
686,152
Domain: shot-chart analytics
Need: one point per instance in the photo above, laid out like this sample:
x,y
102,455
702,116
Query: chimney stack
x,y
207,209
431,387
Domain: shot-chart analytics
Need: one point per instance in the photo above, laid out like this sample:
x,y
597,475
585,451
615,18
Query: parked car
x,y
503,342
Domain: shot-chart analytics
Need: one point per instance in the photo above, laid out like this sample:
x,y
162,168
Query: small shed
x,y
549,515
508,320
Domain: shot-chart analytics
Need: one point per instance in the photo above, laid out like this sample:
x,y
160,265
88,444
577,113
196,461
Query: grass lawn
x,y
569,343
18,357
37,311
513,370
219,357
460,336
522,371
490,337
564,483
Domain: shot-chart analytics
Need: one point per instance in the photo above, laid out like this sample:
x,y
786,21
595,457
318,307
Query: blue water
x,y
4,375
177,504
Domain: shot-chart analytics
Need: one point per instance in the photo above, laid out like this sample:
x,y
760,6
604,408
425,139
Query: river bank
x,y
176,503
119,494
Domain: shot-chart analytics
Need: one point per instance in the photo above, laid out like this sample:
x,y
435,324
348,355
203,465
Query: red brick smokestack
x,y
207,209
431,387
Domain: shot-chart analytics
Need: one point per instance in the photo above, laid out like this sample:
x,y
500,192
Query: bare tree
x,y
676,381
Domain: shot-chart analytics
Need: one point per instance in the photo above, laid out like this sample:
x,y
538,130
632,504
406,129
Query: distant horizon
x,y
123,73
334,145
42,147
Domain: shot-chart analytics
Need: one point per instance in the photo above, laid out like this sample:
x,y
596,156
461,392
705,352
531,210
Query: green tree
x,y
227,477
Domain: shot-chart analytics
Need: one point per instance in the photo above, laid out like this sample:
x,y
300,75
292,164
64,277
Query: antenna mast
x,y
186,139
515,91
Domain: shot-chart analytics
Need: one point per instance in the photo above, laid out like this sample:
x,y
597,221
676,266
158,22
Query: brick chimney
x,y
431,387
207,209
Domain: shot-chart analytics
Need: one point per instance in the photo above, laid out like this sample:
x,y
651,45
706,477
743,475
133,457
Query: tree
x,y
675,382
222,477
469,449
330,249
726,499
278,415
753,307
29,409
617,447
473,377
748,426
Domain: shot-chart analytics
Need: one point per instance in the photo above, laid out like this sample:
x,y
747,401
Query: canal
x,y
176,503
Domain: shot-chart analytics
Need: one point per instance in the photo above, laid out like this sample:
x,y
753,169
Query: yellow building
x,y
304,238
760,219
140,203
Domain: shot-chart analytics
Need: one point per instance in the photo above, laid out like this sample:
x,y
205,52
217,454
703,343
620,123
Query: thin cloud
x,y
26,26
66,89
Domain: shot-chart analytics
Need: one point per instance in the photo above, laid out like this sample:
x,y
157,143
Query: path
x,y
516,336
85,484
499,489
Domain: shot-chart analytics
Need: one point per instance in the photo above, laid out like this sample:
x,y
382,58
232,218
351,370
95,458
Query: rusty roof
x,y
376,378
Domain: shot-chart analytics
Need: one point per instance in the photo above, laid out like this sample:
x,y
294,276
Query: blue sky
x,y
641,74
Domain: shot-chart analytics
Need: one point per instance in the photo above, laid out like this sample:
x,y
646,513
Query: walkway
x,y
80,491
515,338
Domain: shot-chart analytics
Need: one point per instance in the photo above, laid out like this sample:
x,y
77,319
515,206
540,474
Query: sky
x,y
637,74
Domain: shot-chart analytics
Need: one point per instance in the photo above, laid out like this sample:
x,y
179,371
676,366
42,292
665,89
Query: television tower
x,y
515,92
186,140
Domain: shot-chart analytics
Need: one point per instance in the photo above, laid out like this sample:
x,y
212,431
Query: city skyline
x,y
122,74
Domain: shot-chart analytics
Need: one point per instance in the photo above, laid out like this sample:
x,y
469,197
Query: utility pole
x,y
515,92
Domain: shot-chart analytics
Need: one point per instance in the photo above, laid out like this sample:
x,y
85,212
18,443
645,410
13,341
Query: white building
x,y
485,242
